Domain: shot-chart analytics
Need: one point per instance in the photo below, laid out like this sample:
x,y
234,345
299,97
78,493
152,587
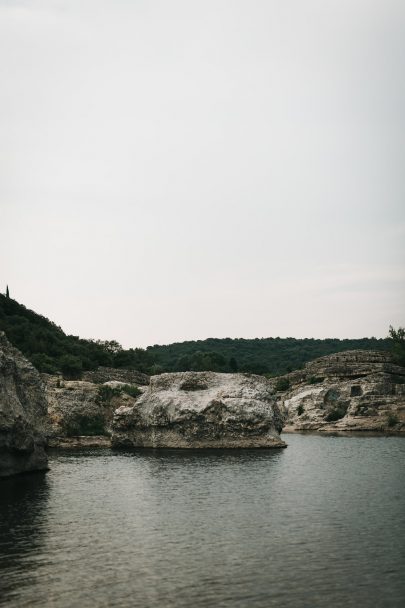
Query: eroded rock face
x,y
350,391
108,374
22,413
80,408
201,410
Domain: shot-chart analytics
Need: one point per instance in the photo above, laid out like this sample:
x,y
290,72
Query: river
x,y
318,524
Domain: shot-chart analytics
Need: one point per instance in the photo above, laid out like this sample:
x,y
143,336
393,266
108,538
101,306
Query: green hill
x,y
273,356
50,349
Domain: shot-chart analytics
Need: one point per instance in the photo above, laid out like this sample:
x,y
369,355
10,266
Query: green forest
x,y
270,356
50,349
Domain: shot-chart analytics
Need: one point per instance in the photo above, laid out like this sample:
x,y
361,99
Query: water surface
x,y
321,523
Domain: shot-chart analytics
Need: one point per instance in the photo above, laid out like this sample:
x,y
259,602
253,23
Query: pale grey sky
x,y
186,169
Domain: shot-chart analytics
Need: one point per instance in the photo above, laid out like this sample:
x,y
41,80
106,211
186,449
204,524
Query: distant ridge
x,y
51,350
273,356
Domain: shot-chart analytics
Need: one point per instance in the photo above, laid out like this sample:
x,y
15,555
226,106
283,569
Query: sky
x,y
185,169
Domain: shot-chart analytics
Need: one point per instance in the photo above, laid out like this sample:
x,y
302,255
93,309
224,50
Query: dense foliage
x,y
398,344
50,349
260,355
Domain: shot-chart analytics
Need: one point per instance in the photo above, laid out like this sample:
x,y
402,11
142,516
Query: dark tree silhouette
x,y
397,337
233,364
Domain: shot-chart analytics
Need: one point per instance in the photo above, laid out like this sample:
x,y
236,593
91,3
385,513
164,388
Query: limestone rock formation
x,y
81,408
349,391
108,374
22,413
201,410
80,442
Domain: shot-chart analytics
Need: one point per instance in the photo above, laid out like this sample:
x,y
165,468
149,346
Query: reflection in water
x,y
23,500
321,523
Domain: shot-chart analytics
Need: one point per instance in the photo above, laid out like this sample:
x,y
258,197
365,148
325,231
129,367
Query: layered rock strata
x,y
349,391
201,410
23,412
108,374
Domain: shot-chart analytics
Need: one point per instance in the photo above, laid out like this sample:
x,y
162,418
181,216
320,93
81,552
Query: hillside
x,y
260,355
50,349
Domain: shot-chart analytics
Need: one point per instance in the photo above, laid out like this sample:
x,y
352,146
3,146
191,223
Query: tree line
x,y
47,346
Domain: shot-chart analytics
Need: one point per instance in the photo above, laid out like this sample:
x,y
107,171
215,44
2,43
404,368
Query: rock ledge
x,y
350,391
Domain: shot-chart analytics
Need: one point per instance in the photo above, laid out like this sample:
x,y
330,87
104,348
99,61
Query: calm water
x,y
321,523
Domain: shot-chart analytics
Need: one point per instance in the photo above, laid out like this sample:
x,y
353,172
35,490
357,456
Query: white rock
x,y
201,410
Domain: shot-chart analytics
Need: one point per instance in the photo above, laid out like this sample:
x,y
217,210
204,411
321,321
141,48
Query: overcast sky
x,y
184,169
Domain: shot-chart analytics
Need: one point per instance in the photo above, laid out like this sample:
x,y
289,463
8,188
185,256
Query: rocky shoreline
x,y
350,393
23,414
79,442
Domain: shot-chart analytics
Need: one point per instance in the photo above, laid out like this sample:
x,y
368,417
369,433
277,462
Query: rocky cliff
x,y
80,409
22,413
349,391
201,410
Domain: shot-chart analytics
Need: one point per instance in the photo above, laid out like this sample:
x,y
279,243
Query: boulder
x,y
201,410
23,413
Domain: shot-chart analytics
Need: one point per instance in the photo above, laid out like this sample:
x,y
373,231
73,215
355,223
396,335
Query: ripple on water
x,y
320,523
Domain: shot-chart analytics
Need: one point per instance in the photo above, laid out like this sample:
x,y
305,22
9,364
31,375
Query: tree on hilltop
x,y
398,344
